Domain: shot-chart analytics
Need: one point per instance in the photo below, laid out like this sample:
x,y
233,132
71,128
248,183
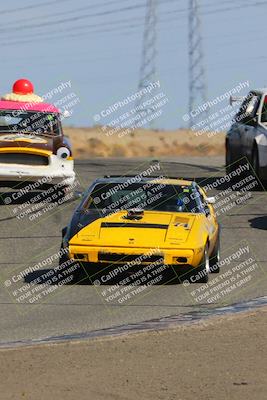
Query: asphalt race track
x,y
77,308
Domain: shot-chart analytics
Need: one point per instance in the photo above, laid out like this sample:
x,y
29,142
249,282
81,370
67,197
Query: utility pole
x,y
197,81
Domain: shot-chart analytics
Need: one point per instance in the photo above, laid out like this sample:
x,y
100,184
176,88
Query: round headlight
x,y
63,152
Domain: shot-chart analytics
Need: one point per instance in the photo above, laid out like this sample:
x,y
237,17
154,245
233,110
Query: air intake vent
x,y
123,258
23,159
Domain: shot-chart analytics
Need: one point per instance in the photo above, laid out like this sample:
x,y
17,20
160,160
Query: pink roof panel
x,y
23,106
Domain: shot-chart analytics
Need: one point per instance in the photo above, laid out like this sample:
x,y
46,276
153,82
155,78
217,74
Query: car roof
x,y
259,91
28,106
151,179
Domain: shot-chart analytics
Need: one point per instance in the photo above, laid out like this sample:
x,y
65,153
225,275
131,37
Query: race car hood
x,y
9,141
153,229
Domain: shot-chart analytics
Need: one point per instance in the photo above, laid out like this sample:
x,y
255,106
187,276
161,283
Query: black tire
x,y
215,258
255,161
64,263
204,266
256,171
228,159
79,274
63,256
201,273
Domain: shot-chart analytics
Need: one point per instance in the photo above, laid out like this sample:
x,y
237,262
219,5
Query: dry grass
x,y
93,142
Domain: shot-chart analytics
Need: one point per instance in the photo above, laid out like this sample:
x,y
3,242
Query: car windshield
x,y
113,197
28,122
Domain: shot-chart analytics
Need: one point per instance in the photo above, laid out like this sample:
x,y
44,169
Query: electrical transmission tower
x,y
149,54
197,82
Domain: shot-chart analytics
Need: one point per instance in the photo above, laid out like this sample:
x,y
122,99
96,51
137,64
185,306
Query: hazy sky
x,y
97,46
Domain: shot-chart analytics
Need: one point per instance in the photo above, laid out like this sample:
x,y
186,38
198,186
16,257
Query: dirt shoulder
x,y
94,142
224,358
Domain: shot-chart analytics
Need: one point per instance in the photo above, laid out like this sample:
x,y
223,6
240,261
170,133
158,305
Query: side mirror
x,y
66,114
210,200
235,99
79,194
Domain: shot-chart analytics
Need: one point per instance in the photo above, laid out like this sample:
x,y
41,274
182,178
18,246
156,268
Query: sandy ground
x,y
224,358
94,142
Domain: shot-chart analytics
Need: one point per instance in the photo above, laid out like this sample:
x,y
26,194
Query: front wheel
x,y
228,160
204,266
201,273
255,161
215,259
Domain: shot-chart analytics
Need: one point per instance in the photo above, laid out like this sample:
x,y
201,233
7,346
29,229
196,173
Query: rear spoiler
x,y
236,99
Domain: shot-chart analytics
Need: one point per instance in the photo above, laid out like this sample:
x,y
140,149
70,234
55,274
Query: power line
x,y
31,6
48,36
76,18
83,16
239,7
80,27
98,14
60,13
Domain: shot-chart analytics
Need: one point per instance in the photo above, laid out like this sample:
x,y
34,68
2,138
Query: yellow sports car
x,y
121,219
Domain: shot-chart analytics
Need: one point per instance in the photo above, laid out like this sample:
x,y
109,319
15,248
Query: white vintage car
x,y
33,145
